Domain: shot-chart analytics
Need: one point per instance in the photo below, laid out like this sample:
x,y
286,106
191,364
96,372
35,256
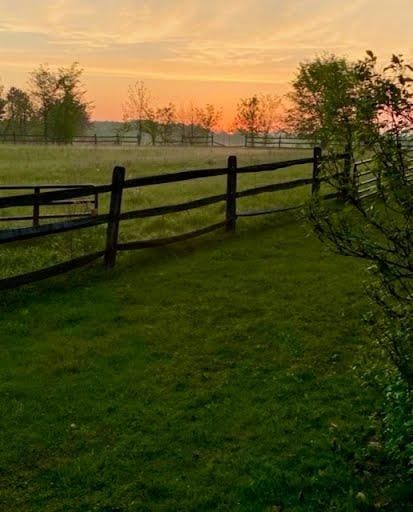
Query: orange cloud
x,y
190,49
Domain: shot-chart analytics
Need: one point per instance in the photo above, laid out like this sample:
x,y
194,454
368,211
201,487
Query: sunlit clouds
x,y
210,51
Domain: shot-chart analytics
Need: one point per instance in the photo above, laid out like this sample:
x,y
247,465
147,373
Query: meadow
x,y
214,375
63,165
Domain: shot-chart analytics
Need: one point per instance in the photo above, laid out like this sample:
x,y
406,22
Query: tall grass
x,y
21,165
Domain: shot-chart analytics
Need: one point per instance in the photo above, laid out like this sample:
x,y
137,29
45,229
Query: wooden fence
x,y
115,216
90,201
270,141
278,142
367,181
107,140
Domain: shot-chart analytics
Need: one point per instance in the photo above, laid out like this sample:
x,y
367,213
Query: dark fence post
x,y
356,180
317,154
96,204
347,182
36,207
96,139
231,214
118,179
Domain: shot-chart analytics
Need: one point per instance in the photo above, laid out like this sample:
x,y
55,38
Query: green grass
x,y
57,165
214,375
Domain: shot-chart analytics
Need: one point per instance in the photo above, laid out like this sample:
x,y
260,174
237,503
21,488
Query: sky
x,y
212,51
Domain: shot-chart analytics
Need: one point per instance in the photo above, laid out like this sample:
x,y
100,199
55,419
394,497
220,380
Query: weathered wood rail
x,y
92,202
367,181
52,195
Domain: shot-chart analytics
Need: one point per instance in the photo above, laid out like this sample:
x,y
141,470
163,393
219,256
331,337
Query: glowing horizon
x,y
187,50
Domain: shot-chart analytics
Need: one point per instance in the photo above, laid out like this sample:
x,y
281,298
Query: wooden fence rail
x,y
113,218
92,202
367,181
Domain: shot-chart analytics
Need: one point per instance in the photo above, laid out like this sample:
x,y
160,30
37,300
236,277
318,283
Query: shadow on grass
x,y
248,229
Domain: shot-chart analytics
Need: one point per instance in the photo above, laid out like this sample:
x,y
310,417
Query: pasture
x,y
214,375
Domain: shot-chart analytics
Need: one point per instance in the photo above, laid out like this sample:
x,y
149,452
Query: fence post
x,y
118,179
96,140
14,138
346,182
356,180
96,204
317,154
36,207
231,214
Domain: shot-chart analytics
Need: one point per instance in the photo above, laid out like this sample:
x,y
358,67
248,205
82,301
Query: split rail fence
x,y
107,140
367,182
51,195
257,141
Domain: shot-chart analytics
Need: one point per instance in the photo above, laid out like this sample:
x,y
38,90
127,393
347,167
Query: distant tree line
x,y
54,107
258,115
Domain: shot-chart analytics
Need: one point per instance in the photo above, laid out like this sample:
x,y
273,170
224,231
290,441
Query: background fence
x,y
109,140
270,141
54,195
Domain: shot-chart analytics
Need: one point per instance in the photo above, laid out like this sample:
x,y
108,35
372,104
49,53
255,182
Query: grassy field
x,y
215,375
60,165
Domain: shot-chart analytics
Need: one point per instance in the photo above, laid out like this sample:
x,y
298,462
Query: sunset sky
x,y
204,51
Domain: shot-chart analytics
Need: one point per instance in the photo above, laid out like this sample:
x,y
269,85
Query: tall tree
x,y
60,100
269,114
258,115
208,117
247,119
19,111
43,85
187,119
323,100
137,108
151,125
166,117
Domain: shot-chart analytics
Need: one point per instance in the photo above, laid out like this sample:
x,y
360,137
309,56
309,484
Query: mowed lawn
x,y
208,376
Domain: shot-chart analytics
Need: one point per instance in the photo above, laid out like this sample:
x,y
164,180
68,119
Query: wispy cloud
x,y
235,41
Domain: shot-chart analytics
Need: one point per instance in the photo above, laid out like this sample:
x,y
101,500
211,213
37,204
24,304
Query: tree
x,y
3,103
19,111
379,230
43,89
151,125
187,119
137,109
166,118
247,119
258,115
269,114
208,117
59,98
323,101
